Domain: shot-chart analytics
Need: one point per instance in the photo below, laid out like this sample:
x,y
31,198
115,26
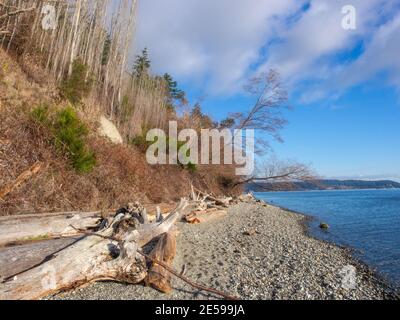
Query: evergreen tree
x,y
142,64
173,90
106,50
173,94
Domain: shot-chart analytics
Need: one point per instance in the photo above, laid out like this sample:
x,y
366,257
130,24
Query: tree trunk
x,y
109,254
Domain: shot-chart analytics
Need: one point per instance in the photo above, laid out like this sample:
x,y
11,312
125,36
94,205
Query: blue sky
x,y
344,85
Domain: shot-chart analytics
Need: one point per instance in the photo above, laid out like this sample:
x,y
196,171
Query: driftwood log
x,y
112,253
18,229
165,250
36,227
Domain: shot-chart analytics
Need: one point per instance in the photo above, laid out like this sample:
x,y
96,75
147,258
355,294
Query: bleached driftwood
x,y
15,260
196,217
33,227
165,250
96,257
208,198
18,229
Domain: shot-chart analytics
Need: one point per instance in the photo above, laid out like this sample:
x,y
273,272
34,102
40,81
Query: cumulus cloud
x,y
221,43
217,41
309,49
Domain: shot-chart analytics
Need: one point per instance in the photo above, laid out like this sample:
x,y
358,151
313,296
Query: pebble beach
x,y
257,251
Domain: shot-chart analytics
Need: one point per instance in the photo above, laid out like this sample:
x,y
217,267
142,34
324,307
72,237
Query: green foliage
x,y
78,85
41,114
142,144
106,51
173,94
140,140
142,64
125,110
69,135
191,167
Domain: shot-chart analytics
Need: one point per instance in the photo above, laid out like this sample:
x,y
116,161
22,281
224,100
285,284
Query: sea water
x,y
365,220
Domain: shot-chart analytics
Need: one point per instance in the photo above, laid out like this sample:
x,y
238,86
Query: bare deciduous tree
x,y
271,99
282,172
266,117
83,29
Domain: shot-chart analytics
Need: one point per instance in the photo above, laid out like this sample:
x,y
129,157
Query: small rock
x,y
250,232
324,226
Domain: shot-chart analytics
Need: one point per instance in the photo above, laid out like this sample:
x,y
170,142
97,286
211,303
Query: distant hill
x,y
322,185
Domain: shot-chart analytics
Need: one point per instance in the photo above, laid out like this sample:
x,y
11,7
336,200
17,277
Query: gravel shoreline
x,y
279,262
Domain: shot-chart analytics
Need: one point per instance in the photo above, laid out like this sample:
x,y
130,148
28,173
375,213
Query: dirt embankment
x,y
121,174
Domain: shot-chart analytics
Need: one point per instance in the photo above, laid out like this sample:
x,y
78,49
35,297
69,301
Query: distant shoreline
x,y
323,184
326,190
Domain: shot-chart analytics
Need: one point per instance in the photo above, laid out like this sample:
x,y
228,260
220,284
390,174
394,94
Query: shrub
x,y
41,114
191,167
78,84
140,140
225,181
69,134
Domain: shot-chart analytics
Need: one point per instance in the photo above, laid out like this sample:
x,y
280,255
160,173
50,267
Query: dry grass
x,y
121,174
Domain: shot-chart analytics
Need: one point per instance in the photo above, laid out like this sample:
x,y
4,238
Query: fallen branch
x,y
22,178
171,270
16,12
113,253
188,281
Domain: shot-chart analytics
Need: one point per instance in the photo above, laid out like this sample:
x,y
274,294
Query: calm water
x,y
366,220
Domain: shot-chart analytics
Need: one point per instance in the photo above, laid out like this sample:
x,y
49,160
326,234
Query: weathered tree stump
x,y
165,250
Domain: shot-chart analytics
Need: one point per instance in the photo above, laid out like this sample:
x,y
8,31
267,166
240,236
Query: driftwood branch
x,y
188,281
166,254
112,253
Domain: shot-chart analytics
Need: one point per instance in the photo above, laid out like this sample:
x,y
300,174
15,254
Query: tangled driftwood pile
x,y
129,247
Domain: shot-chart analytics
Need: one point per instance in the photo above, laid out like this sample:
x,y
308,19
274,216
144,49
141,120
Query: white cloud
x,y
220,42
308,49
208,39
381,55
